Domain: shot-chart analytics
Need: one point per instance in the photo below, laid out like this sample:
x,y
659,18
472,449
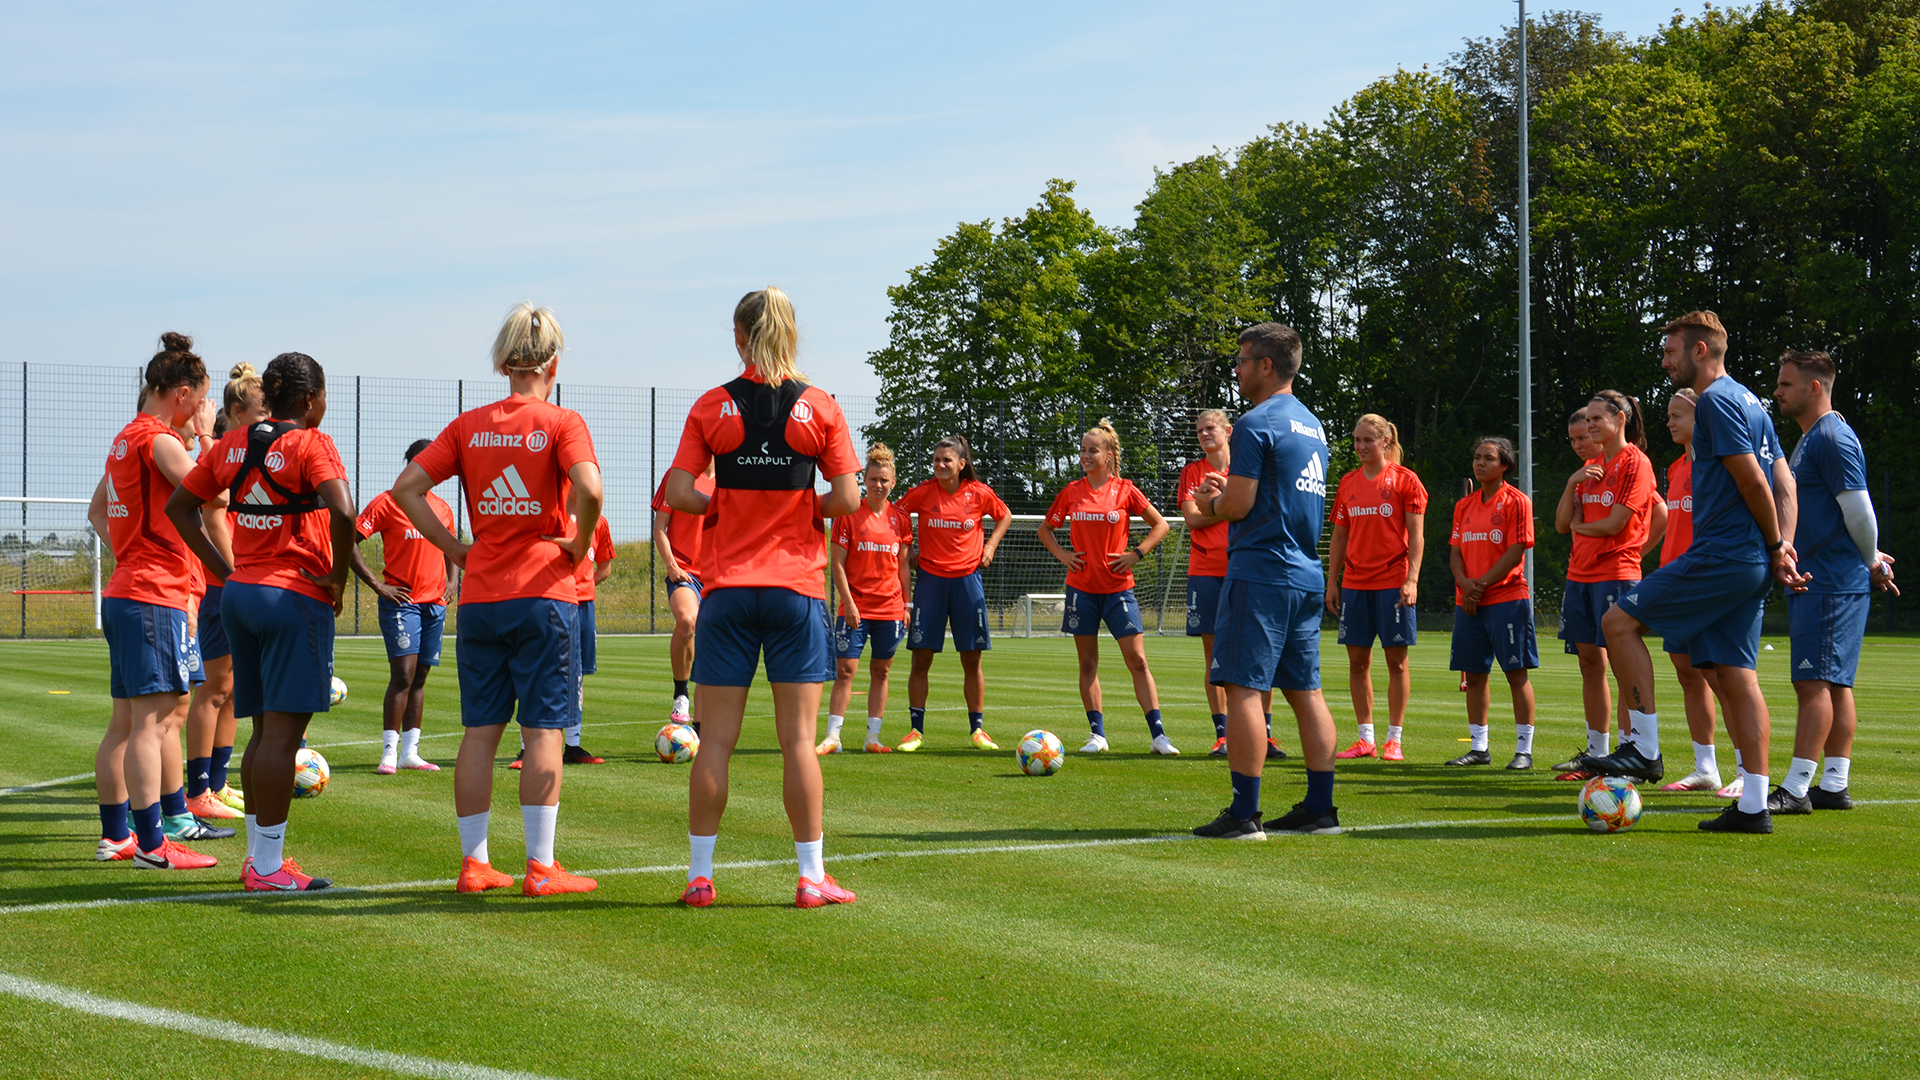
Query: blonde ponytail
x,y
528,341
773,337
880,454
1388,434
1109,441
243,385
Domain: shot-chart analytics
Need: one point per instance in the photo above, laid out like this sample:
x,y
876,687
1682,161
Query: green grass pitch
x,y
1500,939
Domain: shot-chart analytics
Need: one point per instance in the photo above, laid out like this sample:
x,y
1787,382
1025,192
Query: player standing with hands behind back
x,y
1267,631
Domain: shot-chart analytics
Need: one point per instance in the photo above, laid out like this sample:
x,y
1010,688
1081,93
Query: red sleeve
x,y
1524,511
902,526
1340,501
1417,495
1057,513
572,442
1637,483
201,481
372,515
1458,508
835,452
1137,503
441,459
910,503
843,531
997,509
603,542
440,510
698,438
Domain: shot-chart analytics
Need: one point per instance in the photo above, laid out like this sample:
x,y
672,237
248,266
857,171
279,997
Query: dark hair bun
x,y
173,342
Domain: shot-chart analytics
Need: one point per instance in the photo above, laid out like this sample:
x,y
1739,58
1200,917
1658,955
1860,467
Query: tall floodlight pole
x,y
1526,294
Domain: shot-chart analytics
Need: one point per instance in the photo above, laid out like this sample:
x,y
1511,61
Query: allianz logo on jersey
x,y
535,441
883,549
944,523
1313,478
1604,498
257,496
115,508
1493,537
1111,517
1310,432
413,534
1383,510
507,496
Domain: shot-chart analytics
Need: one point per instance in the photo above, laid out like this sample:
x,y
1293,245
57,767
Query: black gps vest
x,y
764,461
260,438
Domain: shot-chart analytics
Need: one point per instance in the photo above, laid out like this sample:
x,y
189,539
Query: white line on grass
x,y
46,784
251,1037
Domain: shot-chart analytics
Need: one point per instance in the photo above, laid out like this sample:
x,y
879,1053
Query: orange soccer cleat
x,y
1390,751
1360,748
699,893
812,894
553,880
477,876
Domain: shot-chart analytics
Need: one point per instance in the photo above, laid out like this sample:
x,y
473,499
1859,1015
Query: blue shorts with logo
x,y
213,632
1501,633
1267,637
1203,600
147,648
1369,613
282,649
1582,607
692,584
886,635
1826,630
519,659
1085,611
739,623
196,668
589,643
1711,604
413,630
939,600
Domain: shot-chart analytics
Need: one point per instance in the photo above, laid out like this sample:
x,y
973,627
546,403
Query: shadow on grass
x,y
1476,832
1015,836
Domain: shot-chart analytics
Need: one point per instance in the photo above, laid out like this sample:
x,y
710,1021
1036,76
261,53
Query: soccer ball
x,y
1040,753
1609,804
310,774
676,744
338,693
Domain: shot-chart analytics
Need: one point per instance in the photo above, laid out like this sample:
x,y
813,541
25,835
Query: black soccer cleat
x,y
1472,757
1228,827
1628,761
580,755
1576,763
1782,801
1822,799
1732,820
1302,820
1521,762
1274,753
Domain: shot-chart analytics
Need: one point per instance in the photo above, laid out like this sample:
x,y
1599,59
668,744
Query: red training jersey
x,y
1206,546
1097,529
1483,531
601,551
412,562
769,538
952,524
1375,515
1628,481
1679,535
686,533
513,455
151,563
873,542
269,548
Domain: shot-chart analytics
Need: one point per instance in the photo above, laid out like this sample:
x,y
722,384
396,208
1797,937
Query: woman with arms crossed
x,y
869,556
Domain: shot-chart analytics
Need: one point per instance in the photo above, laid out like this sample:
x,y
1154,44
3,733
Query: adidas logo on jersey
x,y
1632,598
257,496
115,508
1313,478
507,496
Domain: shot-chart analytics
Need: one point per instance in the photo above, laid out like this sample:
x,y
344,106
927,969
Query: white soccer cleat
x,y
1733,790
680,715
419,764
829,745
389,764
1164,746
1697,780
1096,744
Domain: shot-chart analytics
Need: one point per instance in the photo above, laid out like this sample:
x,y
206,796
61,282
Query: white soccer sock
x,y
1596,743
473,836
1753,792
700,860
573,735
1393,732
1799,776
1704,759
833,725
873,729
1478,736
250,828
389,744
410,743
540,822
1523,738
268,843
1646,733
1739,762
1834,776
811,853
1366,732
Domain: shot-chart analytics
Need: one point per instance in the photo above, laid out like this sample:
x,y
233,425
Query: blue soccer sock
x,y
146,825
113,822
1096,722
1153,723
217,768
975,720
1219,725
1269,725
174,803
1246,796
197,770
1319,791
919,717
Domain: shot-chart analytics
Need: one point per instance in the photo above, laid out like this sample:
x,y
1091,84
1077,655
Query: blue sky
x,y
377,184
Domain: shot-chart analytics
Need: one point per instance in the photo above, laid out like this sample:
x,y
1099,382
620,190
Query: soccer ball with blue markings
x,y
1040,753
677,744
337,693
310,774
1610,804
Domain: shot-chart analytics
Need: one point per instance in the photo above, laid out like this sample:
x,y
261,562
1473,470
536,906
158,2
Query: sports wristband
x,y
1777,545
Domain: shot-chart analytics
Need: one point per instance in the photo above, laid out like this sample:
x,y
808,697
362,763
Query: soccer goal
x,y
51,561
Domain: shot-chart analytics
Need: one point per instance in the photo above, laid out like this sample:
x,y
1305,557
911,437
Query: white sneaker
x,y
1697,780
1096,744
1733,790
1164,746
829,745
680,714
387,764
418,763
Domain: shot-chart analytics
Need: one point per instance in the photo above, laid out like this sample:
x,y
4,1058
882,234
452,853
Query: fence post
x,y
1166,587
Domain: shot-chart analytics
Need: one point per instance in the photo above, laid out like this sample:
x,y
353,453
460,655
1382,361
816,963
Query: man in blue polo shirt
x,y
1838,542
1268,624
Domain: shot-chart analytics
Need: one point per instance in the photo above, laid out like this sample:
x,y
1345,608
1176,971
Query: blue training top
x,y
1282,448
1728,421
1826,461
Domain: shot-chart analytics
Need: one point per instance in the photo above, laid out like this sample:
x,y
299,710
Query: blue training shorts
x,y
1085,611
692,583
1711,604
886,635
1369,613
1267,637
737,624
1500,633
1582,607
589,643
1203,600
1826,631
282,649
413,630
939,600
147,648
519,659
213,632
